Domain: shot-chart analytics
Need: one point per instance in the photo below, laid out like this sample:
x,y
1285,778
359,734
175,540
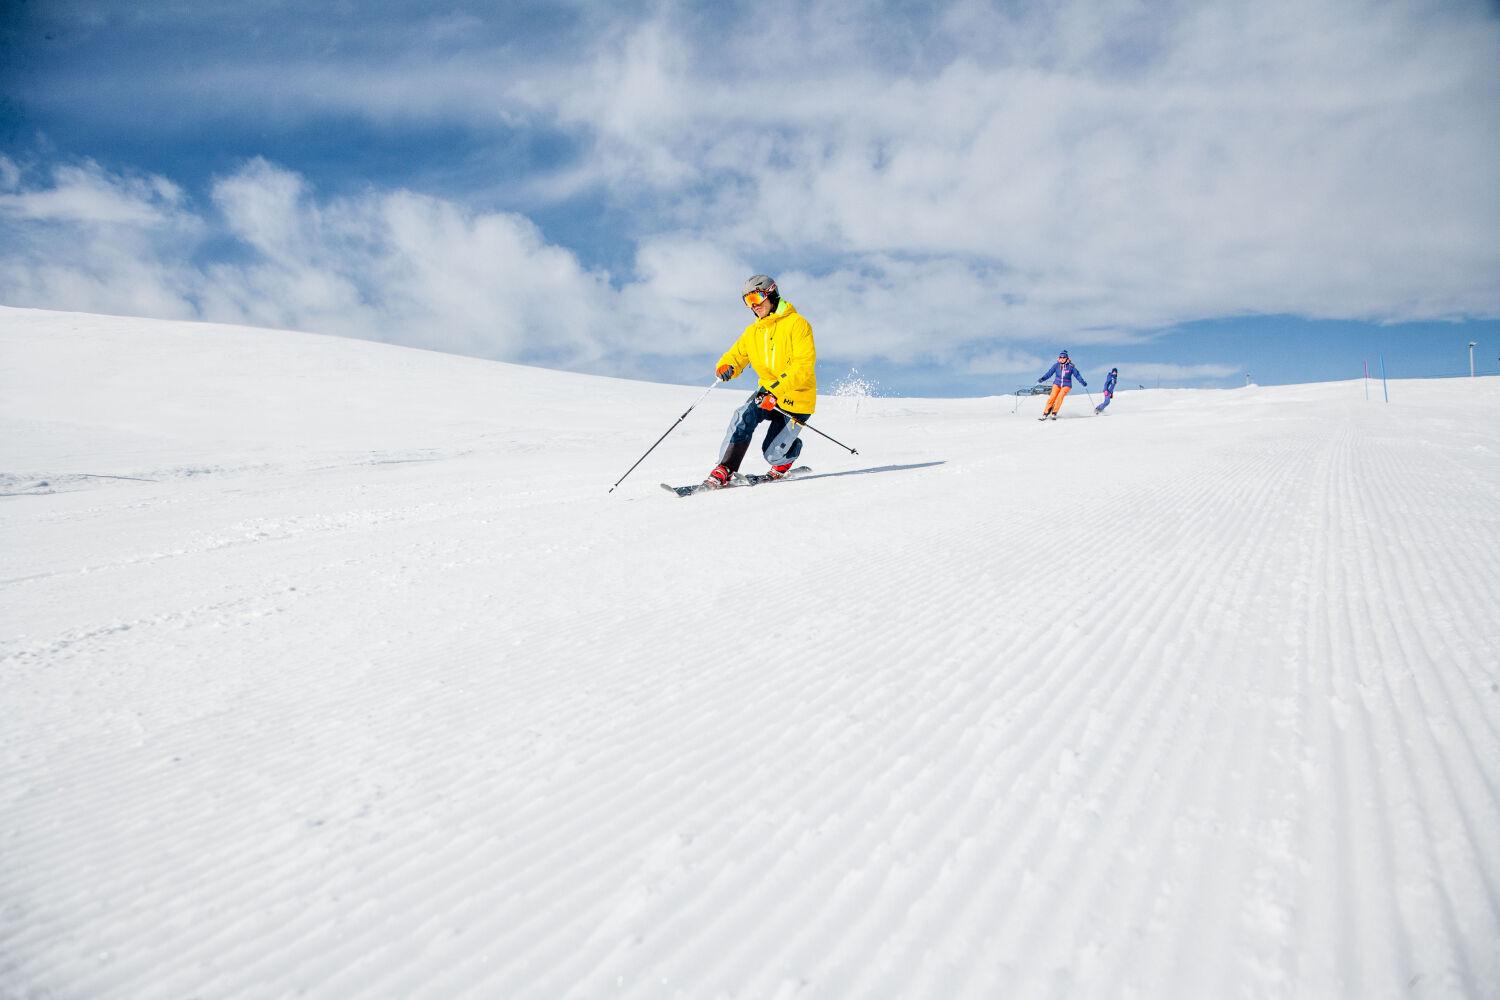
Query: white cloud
x,y
386,265
86,193
1004,361
267,208
87,239
1095,166
405,267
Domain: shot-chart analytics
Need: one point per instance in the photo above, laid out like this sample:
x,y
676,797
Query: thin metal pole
x,y
668,431
810,427
1383,383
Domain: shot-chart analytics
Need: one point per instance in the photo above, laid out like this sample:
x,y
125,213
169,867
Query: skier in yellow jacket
x,y
779,346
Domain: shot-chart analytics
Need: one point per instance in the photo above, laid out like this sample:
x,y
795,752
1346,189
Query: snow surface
x,y
332,669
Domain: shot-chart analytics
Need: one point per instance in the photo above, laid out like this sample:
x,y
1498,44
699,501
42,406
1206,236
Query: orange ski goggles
x,y
755,298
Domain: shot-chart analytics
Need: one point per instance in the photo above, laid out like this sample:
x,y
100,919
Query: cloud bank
x,y
931,186
384,265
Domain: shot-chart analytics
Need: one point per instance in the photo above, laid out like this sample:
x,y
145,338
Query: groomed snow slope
x,y
331,669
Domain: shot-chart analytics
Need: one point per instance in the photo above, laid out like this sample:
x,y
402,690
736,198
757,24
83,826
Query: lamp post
x,y
1472,345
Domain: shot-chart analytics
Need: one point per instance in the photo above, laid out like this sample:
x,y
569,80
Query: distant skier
x,y
1062,374
1109,389
779,346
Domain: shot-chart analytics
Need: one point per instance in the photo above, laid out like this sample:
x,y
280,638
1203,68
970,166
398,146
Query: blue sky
x,y
951,192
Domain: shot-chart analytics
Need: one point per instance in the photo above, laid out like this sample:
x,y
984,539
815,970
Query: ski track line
x,y
905,754
1178,587
870,830
1385,744
1447,687
1413,695
1214,650
797,779
1274,882
1474,565
1125,787
1384,947
1333,921
1476,571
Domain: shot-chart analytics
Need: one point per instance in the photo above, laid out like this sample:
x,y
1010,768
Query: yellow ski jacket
x,y
780,349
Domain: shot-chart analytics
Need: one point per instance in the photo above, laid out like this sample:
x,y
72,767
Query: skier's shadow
x,y
866,472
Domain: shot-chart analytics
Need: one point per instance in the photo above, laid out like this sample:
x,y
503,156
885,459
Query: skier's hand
x,y
725,372
1041,380
1083,383
767,401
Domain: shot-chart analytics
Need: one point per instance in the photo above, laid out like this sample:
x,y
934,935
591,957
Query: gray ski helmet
x,y
759,283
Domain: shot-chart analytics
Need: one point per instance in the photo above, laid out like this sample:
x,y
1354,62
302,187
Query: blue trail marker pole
x,y
1384,385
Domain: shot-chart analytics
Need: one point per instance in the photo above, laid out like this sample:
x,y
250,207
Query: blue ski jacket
x,y
1109,383
1062,373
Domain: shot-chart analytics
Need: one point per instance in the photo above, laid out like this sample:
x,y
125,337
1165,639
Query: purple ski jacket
x,y
1062,373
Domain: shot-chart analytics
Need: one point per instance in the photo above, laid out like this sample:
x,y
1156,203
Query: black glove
x,y
1083,383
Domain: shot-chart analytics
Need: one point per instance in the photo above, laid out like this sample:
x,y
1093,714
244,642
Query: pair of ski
x,y
754,479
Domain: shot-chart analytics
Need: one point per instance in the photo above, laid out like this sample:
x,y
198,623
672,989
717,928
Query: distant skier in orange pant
x,y
1062,373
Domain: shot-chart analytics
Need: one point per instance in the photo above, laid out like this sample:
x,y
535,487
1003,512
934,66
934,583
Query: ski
x,y
738,480
755,479
687,491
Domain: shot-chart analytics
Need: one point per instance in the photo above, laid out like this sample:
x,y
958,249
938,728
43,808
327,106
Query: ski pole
x,y
810,427
668,431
